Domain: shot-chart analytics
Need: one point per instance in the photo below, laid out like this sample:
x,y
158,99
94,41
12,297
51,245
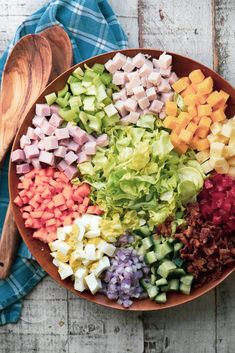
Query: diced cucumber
x,y
153,279
145,283
147,243
150,257
153,270
185,288
165,268
161,282
165,288
51,98
143,231
178,246
107,101
187,280
98,68
178,261
163,249
177,273
63,103
141,250
152,291
63,91
174,284
161,298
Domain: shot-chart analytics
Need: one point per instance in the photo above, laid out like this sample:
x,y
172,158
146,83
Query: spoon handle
x,y
8,244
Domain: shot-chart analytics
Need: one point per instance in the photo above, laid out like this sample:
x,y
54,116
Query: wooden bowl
x,y
182,66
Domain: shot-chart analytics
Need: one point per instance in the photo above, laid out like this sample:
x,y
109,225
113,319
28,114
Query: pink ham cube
x,y
83,157
60,152
55,120
18,156
156,106
119,60
38,121
47,128
102,140
89,148
54,109
144,81
51,143
165,97
128,66
164,86
131,118
164,60
47,158
41,145
36,164
143,103
130,105
62,133
154,78
22,168
39,133
71,172
119,78
151,93
79,136
138,60
31,134
70,157
110,67
162,115
24,141
73,146
43,110
139,92
172,78
62,165
165,72
145,70
120,106
120,95
155,63
31,151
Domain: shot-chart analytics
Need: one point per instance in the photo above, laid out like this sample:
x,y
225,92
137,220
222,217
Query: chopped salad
x,y
128,173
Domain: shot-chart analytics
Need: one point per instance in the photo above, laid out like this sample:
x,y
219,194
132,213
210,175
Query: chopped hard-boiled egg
x,y
106,248
93,283
65,270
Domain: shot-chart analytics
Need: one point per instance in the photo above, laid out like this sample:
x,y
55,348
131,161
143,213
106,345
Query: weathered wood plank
x,y
184,27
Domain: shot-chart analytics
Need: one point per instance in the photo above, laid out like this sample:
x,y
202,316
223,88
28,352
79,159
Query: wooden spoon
x,y
25,75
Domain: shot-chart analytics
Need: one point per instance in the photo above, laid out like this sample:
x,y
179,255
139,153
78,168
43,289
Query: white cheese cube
x,y
93,283
216,149
231,171
216,128
103,264
65,270
216,161
90,252
110,110
106,248
203,156
212,138
229,151
221,166
207,167
226,130
231,162
222,139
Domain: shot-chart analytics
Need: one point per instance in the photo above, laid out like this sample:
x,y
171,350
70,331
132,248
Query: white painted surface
x,y
55,321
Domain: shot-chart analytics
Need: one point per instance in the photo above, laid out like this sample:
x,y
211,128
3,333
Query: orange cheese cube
x,y
220,105
188,90
214,98
196,119
170,122
185,136
190,99
201,98
193,142
224,94
204,109
174,139
171,108
196,76
205,123
192,127
202,132
181,148
202,144
192,110
178,128
184,119
218,115
181,84
206,86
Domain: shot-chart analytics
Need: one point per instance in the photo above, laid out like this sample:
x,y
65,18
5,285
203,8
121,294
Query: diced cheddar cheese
x,y
181,148
203,156
214,98
204,109
196,119
185,136
202,144
170,122
192,127
190,99
225,95
196,76
189,90
181,84
206,86
178,128
201,98
184,119
218,115
201,132
231,171
207,167
205,123
193,143
171,108
192,110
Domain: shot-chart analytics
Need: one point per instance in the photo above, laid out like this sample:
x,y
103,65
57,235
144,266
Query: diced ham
x,y
54,109
131,118
73,146
47,128
71,172
128,66
145,70
172,78
46,157
62,133
130,105
165,97
61,151
31,151
18,156
143,103
70,157
91,138
139,92
79,135
164,60
151,93
121,95
22,168
62,165
164,86
156,106
102,140
89,148
50,143
39,133
41,145
120,106
119,60
38,121
24,141
110,66
165,72
55,120
162,115
155,63
64,142
119,78
31,134
138,60
144,81
43,110
36,164
154,78
83,157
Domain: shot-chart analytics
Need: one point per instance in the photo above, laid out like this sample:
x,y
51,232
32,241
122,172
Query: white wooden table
x,y
55,321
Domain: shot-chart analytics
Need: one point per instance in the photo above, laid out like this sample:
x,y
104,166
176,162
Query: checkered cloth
x,y
93,29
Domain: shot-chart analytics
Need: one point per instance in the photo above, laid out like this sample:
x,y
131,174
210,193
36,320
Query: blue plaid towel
x,y
93,29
